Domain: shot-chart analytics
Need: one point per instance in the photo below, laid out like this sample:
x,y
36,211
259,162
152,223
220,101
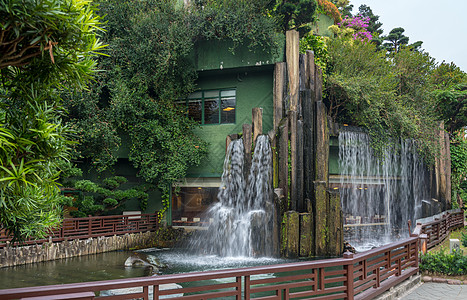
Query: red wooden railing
x,y
360,276
438,229
83,228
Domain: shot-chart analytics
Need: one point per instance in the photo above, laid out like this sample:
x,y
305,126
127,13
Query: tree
x,y
344,6
294,14
44,46
395,39
389,96
374,26
451,105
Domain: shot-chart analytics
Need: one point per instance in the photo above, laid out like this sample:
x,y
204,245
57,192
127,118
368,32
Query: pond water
x,y
110,265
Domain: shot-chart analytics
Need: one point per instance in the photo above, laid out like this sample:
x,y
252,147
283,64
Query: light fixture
x,y
228,108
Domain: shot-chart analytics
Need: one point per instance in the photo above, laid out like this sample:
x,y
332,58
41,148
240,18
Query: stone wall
x,y
13,256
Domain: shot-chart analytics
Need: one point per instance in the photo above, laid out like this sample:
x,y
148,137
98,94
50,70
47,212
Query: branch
x,y
19,62
10,61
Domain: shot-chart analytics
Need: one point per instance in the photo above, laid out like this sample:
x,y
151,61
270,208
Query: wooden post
x,y
89,226
283,144
280,90
321,224
322,143
292,57
276,196
247,148
300,167
293,120
318,84
310,71
349,281
308,143
306,219
228,140
257,120
335,241
290,234
303,66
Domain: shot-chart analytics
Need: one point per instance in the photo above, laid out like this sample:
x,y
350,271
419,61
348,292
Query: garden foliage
x,y
392,96
444,263
106,196
131,108
44,46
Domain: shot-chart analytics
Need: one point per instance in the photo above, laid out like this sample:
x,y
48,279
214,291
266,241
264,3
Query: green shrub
x,y
444,263
464,239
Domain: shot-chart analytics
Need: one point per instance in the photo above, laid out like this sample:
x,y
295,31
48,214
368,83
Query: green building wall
x,y
251,73
253,89
321,27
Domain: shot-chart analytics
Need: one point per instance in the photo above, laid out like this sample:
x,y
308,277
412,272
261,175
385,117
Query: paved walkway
x,y
435,291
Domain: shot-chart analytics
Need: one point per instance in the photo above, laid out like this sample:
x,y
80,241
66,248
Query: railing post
x,y
155,292
417,245
62,230
349,281
89,226
247,287
238,288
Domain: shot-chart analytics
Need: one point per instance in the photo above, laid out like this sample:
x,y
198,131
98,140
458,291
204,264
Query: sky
x,y
441,25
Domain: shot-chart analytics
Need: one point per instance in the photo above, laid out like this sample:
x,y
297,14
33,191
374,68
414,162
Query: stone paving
x,y
435,291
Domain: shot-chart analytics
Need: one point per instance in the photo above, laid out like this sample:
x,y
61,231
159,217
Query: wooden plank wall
x,y
300,120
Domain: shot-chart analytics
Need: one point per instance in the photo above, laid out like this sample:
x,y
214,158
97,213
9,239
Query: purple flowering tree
x,y
359,24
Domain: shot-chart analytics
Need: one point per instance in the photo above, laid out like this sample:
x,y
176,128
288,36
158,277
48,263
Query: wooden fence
x,y
434,232
354,276
360,276
83,228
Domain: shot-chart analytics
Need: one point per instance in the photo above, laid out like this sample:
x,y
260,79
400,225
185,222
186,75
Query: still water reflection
x,y
110,265
103,266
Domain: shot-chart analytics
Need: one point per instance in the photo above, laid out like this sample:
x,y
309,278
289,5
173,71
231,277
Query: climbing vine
x,y
459,168
318,45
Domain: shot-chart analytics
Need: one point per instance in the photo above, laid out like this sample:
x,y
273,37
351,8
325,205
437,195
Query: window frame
x,y
219,104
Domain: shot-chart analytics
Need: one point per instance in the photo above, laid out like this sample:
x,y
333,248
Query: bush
x,y
444,263
464,239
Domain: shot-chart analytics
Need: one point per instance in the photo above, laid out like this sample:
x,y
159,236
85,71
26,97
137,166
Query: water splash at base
x,y
241,222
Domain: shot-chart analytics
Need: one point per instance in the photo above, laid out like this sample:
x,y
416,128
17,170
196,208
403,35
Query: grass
x,y
457,234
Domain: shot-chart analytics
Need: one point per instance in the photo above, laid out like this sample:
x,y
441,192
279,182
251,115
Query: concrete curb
x,y
401,289
443,280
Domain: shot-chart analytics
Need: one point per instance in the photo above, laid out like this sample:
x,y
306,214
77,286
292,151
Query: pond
x,y
110,265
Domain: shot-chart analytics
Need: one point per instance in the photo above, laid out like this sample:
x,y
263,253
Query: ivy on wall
x,y
459,168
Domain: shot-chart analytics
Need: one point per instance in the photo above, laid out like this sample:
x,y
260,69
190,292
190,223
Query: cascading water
x,y
241,221
379,196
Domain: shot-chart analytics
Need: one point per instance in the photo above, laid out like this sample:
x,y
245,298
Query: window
x,y
212,106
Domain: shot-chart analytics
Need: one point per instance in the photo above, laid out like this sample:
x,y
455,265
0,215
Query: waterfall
x,y
241,221
379,196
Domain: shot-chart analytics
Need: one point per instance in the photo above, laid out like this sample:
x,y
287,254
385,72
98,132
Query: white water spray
x,y
242,219
379,196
